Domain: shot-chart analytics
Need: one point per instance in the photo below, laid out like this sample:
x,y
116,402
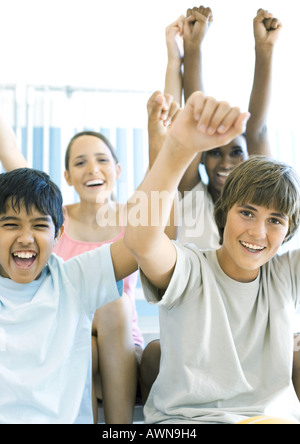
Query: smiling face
x,y
92,168
252,236
26,243
221,161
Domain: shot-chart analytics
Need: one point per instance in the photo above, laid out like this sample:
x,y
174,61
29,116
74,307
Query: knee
x,y
115,316
150,362
95,358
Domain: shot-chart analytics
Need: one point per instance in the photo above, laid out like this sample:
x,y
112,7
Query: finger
x,y
263,14
222,110
195,104
235,130
190,19
202,17
199,17
208,111
238,127
172,114
275,24
168,99
155,105
177,24
208,13
228,120
267,22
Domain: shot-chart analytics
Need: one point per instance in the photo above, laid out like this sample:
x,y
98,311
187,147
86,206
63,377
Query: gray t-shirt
x,y
227,347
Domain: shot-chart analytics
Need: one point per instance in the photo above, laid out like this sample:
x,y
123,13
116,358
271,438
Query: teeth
x,y
96,182
252,247
24,254
223,174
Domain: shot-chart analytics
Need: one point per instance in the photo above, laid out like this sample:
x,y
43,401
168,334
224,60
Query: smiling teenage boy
x,y
47,305
225,315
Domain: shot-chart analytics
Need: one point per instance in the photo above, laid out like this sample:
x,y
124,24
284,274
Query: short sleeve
x,y
92,276
285,270
186,279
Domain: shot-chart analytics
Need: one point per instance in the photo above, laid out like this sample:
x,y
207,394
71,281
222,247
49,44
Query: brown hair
x,y
264,182
94,134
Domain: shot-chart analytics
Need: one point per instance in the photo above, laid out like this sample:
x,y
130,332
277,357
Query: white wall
x,y
121,45
117,44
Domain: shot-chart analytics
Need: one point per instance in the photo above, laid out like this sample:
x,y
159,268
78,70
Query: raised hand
x,y
266,28
205,124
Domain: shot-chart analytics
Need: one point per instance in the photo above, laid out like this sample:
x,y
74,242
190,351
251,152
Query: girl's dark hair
x,y
94,134
32,188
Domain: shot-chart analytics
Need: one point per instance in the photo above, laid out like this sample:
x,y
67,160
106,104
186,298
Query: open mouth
x,y
96,183
24,259
222,176
251,248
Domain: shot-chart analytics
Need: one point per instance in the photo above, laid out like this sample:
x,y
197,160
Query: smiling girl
x,y
92,168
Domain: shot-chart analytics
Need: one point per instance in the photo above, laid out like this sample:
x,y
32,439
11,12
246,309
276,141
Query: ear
x,y
118,171
59,235
68,178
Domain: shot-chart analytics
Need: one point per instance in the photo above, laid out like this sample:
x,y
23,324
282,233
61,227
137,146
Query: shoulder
x,y
287,261
186,281
282,273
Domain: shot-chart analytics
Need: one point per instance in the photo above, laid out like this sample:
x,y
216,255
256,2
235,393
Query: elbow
x,y
133,242
139,245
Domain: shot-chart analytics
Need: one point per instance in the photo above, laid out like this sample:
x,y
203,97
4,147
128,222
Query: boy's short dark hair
x,y
264,182
32,188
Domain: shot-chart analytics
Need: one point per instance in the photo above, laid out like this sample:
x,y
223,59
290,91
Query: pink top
x,y
68,248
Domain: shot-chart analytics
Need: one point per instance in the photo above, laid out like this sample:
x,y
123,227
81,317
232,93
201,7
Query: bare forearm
x,y
256,132
192,77
173,80
10,156
155,202
261,91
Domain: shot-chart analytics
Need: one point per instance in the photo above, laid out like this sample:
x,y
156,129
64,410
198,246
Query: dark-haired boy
x,y
47,305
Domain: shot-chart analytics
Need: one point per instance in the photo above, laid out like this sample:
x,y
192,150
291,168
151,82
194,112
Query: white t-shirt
x,y
45,339
197,223
227,347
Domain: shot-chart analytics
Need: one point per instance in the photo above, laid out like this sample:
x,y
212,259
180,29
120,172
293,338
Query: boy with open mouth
x,y
47,305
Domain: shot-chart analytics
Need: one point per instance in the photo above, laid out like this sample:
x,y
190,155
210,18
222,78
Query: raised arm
x,y
173,77
196,26
10,156
203,125
162,112
266,33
